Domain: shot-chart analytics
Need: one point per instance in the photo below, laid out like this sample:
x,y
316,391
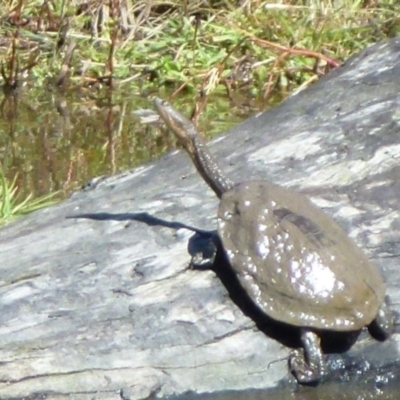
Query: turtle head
x,y
181,126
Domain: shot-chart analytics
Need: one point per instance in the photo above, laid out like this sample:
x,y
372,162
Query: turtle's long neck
x,y
190,138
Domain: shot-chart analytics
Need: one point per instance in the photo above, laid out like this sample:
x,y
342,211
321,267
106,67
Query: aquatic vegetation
x,y
12,206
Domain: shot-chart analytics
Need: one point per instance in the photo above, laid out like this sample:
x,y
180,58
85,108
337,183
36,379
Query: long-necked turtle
x,y
296,264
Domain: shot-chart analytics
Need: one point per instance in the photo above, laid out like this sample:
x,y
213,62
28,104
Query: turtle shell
x,y
294,261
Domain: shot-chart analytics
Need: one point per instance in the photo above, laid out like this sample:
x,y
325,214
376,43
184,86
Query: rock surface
x,y
105,306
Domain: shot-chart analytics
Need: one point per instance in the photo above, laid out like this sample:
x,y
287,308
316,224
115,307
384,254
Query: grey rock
x,y
104,306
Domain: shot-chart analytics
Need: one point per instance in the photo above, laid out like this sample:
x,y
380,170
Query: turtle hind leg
x,y
382,326
308,366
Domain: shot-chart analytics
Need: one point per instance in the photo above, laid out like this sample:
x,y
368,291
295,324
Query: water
x,y
54,142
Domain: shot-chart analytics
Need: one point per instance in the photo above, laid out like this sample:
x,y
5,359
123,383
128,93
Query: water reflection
x,y
56,142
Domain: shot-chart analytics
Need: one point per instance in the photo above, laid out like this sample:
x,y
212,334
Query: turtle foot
x,y
304,373
308,366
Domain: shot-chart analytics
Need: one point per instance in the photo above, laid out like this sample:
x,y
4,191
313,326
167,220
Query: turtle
x,y
294,261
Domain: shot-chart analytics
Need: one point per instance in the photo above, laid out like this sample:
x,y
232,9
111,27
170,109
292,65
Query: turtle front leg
x,y
203,248
308,366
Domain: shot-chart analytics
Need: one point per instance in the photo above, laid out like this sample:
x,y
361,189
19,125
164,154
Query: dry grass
x,y
184,45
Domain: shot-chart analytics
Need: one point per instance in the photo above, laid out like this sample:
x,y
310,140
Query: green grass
x,y
184,46
12,206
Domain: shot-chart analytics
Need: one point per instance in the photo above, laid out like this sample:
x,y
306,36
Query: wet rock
x,y
104,306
